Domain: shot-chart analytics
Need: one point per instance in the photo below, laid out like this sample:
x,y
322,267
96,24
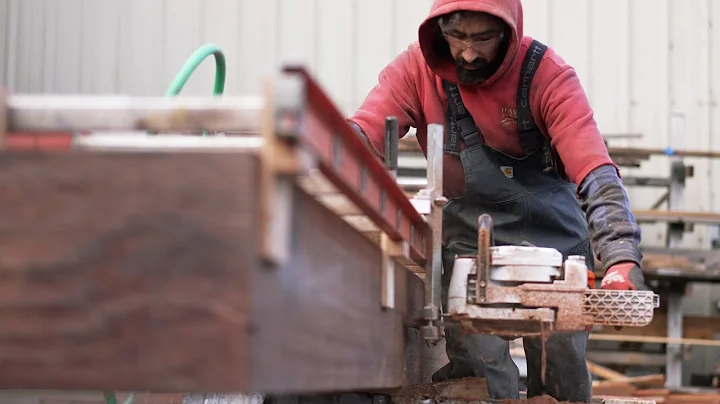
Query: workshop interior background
x,y
648,66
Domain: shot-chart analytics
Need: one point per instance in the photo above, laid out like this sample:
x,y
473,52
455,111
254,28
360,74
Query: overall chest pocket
x,y
460,222
487,178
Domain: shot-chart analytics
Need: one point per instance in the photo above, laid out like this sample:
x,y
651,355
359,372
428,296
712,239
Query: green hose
x,y
111,398
191,64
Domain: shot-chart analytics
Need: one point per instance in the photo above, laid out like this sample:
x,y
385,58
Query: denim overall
x,y
529,203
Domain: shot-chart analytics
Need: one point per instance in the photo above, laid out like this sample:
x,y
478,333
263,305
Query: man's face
x,y
474,44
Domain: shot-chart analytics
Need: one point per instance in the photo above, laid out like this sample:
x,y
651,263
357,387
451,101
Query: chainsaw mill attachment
x,y
520,291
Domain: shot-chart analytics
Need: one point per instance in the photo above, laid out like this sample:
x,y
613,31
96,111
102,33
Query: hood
x,y
442,64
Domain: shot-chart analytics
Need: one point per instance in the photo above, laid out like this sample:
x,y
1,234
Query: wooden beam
x,y
319,321
654,340
652,216
605,373
112,265
682,265
694,327
410,144
625,358
142,272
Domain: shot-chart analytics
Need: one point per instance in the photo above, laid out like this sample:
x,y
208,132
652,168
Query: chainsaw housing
x,y
522,291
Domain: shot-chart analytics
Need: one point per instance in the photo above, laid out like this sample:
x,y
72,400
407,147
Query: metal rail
x,y
352,167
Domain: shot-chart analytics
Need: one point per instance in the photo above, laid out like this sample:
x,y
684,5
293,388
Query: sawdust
x,y
466,389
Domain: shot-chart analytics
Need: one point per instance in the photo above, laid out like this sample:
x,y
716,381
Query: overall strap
x,y
461,123
530,135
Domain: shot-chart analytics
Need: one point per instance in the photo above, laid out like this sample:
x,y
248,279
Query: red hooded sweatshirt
x,y
410,88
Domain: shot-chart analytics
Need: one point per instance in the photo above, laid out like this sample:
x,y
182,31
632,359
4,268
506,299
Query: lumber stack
x,y
647,387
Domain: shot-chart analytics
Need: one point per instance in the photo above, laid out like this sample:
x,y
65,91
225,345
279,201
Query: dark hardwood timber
x,y
141,272
126,272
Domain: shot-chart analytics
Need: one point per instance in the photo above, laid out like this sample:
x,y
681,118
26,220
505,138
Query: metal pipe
x,y
433,270
53,113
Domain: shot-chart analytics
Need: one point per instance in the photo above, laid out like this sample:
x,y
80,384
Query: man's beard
x,y
473,73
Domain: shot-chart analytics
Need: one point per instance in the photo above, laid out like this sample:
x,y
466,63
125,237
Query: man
x,y
522,145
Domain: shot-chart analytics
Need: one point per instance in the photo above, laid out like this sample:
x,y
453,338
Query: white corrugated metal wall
x,y
640,60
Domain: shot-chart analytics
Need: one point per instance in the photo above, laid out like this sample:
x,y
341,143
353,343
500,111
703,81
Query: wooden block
x,y
618,389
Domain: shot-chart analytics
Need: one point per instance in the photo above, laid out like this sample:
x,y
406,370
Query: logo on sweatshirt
x,y
508,117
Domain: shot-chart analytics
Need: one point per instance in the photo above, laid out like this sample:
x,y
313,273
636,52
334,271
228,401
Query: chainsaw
x,y
514,291
521,290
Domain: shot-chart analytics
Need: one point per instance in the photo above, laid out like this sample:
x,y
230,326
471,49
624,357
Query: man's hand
x,y
624,276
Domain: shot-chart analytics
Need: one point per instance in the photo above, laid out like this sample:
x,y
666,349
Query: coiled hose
x,y
175,88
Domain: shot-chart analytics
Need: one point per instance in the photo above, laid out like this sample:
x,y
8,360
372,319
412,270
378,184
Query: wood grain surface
x,y
141,273
125,272
318,324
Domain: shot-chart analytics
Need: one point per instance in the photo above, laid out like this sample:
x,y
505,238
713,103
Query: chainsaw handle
x,y
392,139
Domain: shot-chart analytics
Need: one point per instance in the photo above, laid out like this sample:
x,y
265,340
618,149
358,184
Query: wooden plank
x,y
605,373
110,266
654,340
647,381
652,216
625,358
682,265
150,264
693,399
695,327
318,323
410,144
